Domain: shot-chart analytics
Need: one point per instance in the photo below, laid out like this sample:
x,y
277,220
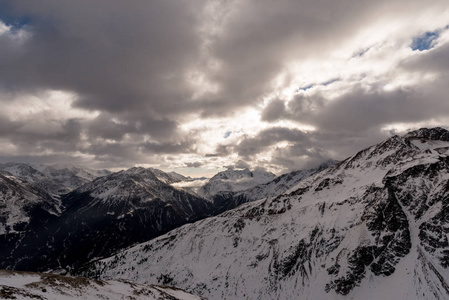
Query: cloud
x,y
280,85
242,165
190,184
274,111
250,146
196,164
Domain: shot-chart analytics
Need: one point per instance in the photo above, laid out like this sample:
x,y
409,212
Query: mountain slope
x,y
26,285
16,202
119,210
97,219
225,201
25,213
374,226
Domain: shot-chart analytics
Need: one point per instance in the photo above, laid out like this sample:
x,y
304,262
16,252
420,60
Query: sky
x,y
197,86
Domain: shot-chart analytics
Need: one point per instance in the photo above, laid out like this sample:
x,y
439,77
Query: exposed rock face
x,y
375,226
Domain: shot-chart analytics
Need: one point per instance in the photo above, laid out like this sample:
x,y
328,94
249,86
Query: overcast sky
x,y
195,86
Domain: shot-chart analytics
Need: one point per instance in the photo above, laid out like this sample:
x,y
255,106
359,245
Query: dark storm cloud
x,y
29,134
360,110
304,149
133,63
274,111
242,165
261,37
48,159
250,146
436,60
110,126
196,164
117,56
161,148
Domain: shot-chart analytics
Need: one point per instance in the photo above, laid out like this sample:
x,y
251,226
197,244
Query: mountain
x,y
18,202
233,181
55,179
70,177
168,177
374,226
27,285
25,213
225,201
101,217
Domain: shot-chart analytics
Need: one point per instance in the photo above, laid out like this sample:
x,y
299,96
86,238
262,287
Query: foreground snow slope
x,y
375,226
25,285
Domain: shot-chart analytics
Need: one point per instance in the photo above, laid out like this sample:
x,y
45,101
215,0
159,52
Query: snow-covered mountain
x,y
27,285
54,179
70,177
233,180
101,217
168,177
18,201
374,226
25,212
228,200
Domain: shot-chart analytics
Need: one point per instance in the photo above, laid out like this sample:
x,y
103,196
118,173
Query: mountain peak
x,y
233,180
436,133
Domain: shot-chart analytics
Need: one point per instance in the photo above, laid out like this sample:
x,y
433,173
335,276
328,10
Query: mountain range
x,y
57,218
374,226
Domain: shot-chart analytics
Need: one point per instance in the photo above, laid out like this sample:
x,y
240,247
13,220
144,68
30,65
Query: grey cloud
x,y
130,62
261,37
28,133
161,148
302,105
250,146
435,60
116,56
274,111
196,164
48,159
242,164
360,110
305,149
116,126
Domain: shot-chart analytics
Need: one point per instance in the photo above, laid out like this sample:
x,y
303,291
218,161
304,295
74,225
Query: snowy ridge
x,y
372,227
169,178
27,285
225,201
55,179
145,184
234,181
282,183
